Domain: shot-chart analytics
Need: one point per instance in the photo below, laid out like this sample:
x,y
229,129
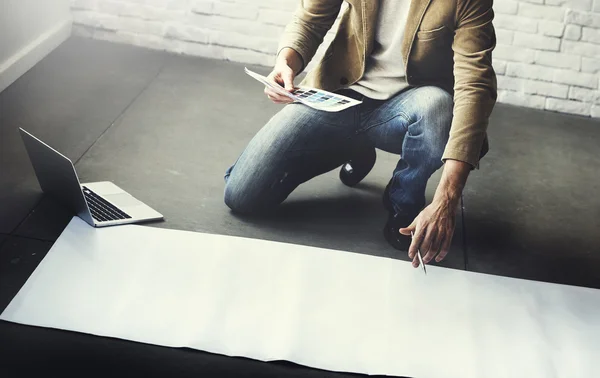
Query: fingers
x,y
445,248
282,75
287,76
278,100
416,262
428,242
438,237
432,235
417,238
277,97
281,102
275,77
411,228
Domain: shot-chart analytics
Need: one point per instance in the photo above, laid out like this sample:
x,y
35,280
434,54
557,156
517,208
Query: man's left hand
x,y
434,227
433,230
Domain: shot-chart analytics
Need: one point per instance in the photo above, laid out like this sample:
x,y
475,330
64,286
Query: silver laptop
x,y
99,203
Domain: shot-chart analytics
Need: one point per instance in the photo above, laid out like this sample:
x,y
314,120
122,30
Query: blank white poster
x,y
321,308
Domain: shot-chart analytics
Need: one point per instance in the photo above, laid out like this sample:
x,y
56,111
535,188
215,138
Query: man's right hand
x,y
283,74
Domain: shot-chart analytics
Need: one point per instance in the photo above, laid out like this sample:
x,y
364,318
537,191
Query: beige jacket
x,y
447,43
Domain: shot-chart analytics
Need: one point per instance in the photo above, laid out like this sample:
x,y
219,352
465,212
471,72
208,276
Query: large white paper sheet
x,y
321,308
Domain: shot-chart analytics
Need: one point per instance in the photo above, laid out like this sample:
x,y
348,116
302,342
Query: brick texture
x,y
547,56
590,65
499,66
506,7
541,12
579,79
521,99
584,95
551,28
530,71
572,32
549,53
558,60
568,106
541,42
514,54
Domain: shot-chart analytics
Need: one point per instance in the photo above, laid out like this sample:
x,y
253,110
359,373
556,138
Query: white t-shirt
x,y
384,73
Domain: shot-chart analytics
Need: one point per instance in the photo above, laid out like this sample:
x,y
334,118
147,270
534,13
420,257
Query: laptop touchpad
x,y
122,200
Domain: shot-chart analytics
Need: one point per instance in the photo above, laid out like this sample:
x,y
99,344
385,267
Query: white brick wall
x,y
548,53
245,31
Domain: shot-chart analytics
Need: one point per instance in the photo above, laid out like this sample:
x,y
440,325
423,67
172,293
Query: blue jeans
x,y
299,143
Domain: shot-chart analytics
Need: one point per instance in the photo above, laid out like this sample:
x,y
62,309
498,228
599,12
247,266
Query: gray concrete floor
x,y
165,128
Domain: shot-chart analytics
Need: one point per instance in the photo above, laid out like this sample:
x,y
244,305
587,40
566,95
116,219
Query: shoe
x,y
391,231
387,202
356,169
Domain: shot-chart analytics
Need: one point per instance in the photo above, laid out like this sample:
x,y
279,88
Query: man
x,y
423,71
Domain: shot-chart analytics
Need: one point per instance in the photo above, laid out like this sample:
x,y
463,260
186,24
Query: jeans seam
x,y
367,128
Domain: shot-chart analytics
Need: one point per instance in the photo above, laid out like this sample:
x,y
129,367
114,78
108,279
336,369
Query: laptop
x,y
98,203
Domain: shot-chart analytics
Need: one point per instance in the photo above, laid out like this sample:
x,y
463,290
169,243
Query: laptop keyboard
x,y
101,209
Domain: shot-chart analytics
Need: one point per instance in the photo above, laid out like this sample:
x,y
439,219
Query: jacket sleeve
x,y
474,80
312,19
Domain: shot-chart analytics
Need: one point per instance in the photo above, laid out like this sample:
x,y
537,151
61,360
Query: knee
x,y
237,200
249,197
437,122
438,105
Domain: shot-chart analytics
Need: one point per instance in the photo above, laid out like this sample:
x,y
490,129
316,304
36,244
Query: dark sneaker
x,y
356,169
387,202
391,231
